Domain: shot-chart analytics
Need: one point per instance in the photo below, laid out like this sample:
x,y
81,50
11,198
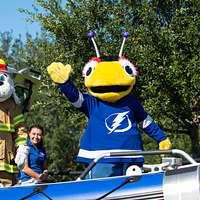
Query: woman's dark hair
x,y
38,127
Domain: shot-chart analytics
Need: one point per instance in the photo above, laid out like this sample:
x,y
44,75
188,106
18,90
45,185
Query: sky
x,y
12,19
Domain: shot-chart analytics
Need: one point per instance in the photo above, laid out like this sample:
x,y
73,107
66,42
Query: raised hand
x,y
58,72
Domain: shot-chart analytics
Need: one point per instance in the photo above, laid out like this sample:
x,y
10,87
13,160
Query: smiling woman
x,y
35,168
36,135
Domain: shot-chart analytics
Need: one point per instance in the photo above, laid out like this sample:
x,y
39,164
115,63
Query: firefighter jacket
x,y
10,119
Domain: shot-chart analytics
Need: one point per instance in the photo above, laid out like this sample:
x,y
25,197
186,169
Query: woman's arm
x,y
30,172
35,175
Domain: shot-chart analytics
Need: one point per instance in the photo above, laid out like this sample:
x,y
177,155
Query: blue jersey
x,y
36,160
111,126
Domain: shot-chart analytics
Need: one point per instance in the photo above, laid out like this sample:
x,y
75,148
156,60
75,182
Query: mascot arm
x,y
79,100
21,148
58,72
153,130
70,91
21,136
21,156
21,132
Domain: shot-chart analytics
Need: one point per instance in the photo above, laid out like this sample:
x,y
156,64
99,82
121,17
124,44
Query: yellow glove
x,y
58,72
165,144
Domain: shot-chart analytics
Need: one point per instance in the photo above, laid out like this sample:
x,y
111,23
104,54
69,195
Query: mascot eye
x,y
89,67
129,68
3,77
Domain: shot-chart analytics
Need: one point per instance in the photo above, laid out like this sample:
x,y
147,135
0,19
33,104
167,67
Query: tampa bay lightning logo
x,y
41,154
118,122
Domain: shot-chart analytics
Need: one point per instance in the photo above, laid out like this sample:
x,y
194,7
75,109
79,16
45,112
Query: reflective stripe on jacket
x,y
6,127
21,139
18,119
11,118
10,128
9,168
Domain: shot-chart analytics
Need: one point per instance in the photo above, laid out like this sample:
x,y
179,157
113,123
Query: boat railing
x,y
136,153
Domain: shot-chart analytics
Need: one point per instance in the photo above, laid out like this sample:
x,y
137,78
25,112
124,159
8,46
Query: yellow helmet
x,y
3,66
2,61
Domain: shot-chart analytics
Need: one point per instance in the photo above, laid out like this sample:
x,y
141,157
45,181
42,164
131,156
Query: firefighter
x,y
13,132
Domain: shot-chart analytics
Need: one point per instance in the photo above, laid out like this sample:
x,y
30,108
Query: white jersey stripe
x,y
145,122
79,102
93,154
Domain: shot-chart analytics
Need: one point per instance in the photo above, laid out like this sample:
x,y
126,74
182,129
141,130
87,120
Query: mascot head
x,y
7,88
109,79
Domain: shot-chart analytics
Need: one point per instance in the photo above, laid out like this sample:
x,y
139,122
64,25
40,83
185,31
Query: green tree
x,y
166,46
170,59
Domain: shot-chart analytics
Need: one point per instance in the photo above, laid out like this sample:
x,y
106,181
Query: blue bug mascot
x,y
114,115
